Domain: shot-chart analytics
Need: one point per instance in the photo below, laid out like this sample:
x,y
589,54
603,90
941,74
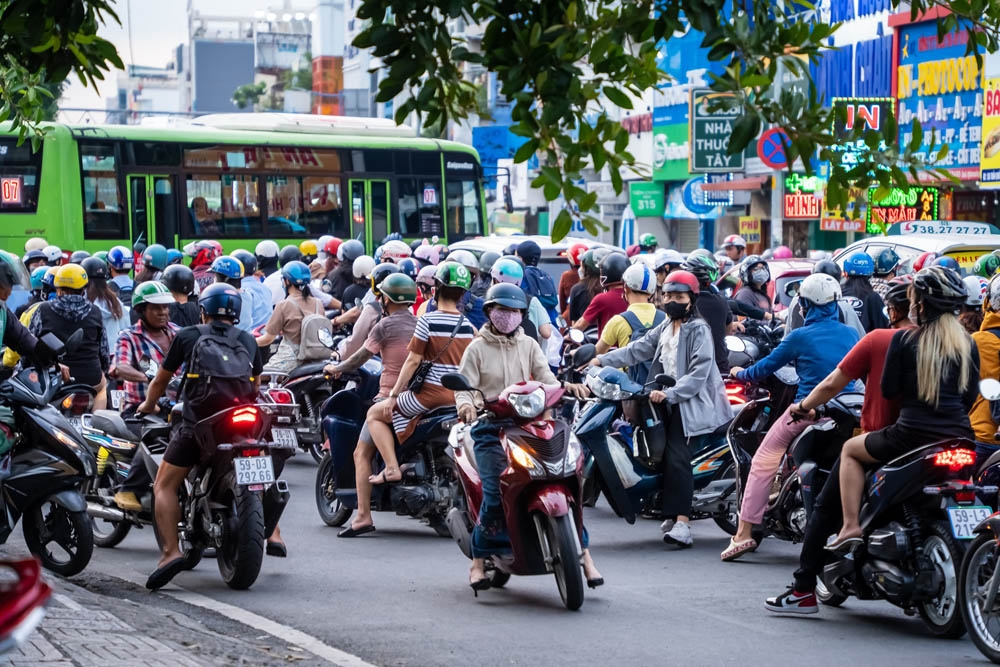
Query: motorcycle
x,y
756,342
74,401
429,485
542,488
42,475
24,595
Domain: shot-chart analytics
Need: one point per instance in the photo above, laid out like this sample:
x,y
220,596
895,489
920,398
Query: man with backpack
x,y
536,282
636,320
222,368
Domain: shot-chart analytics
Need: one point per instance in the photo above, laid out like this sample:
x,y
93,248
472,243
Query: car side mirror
x,y
792,288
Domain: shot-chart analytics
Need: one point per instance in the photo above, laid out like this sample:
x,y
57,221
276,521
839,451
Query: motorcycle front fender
x,y
990,523
70,500
595,419
551,501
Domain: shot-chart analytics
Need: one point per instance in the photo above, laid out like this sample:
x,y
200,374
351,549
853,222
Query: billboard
x,y
220,67
281,51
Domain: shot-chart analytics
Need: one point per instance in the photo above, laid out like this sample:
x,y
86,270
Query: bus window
x,y
323,206
418,202
463,209
222,206
19,168
284,207
103,214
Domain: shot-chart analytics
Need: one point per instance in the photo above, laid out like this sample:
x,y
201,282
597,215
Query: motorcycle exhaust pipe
x,y
107,513
274,501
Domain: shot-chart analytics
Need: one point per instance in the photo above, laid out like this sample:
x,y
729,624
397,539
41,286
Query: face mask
x,y
580,273
675,310
759,277
505,321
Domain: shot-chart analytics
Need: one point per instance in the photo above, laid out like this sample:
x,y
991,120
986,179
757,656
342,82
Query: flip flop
x,y
351,531
379,479
845,545
737,549
277,549
162,575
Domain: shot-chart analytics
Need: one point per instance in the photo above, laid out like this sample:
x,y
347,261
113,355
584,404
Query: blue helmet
x,y
296,273
886,261
227,266
859,264
155,257
37,276
949,262
174,256
120,258
220,300
409,267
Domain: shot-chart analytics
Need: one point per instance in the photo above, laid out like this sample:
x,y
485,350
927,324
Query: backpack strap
x,y
995,332
658,317
632,319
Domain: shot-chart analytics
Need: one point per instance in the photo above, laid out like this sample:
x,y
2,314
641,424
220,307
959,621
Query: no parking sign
x,y
771,148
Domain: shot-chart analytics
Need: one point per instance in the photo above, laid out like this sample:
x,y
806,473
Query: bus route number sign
x,y
10,190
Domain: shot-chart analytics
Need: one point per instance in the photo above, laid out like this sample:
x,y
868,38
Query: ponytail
x,y
306,292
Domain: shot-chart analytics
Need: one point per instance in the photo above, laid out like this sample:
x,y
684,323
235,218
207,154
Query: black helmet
x,y
747,264
178,278
221,300
96,268
288,254
613,267
829,267
506,295
78,257
248,260
697,267
940,290
380,273
898,295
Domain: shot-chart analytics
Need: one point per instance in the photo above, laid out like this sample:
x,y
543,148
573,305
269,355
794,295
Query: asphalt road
x,y
400,597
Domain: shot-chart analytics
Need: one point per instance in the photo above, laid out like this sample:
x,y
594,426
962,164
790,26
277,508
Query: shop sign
x,y
941,227
901,205
714,197
750,229
868,113
939,84
801,201
989,157
710,132
646,199
671,147
834,224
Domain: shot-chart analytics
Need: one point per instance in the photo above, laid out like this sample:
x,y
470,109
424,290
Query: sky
x,y
158,26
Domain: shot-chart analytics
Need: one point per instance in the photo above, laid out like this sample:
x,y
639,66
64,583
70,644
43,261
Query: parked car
x,y
553,259
964,248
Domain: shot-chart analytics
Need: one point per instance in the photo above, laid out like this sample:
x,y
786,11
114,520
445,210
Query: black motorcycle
x,y
755,342
42,474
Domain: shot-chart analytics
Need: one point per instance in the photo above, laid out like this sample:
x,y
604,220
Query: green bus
x,y
238,179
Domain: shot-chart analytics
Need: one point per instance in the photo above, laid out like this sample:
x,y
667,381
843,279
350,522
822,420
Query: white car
x,y
964,248
553,260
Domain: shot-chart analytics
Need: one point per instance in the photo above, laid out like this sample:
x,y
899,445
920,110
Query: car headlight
x,y
607,391
530,405
526,461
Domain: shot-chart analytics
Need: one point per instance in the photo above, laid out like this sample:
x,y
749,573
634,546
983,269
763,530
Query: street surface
x,y
400,597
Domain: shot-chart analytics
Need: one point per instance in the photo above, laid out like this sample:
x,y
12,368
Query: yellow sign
x,y
938,77
989,147
750,229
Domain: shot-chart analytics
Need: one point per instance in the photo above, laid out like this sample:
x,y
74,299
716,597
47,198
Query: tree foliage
x,y
558,60
249,94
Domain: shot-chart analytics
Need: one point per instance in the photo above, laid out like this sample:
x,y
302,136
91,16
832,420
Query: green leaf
x,y
526,151
617,97
562,225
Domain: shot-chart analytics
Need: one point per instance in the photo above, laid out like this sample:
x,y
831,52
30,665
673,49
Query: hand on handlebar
x,y
577,390
657,396
467,413
796,412
330,370
146,408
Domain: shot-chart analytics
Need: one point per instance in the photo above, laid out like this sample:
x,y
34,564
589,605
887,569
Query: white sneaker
x,y
679,534
667,525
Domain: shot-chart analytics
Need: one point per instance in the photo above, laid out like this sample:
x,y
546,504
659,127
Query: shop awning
x,y
749,183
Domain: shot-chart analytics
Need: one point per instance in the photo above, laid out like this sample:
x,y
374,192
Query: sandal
x,y
738,549
382,478
843,545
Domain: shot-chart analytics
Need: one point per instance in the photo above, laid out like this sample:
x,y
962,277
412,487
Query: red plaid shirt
x,y
133,346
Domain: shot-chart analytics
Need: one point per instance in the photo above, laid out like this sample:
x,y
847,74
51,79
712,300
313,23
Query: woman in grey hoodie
x,y
683,348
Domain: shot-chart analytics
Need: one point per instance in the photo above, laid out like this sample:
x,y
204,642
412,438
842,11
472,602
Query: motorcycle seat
x,y
432,421
311,368
111,423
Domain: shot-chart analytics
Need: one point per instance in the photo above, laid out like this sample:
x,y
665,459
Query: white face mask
x,y
580,273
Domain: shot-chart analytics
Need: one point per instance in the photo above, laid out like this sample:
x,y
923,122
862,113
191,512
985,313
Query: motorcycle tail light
x,y
280,396
246,453
78,403
247,415
955,459
735,394
965,496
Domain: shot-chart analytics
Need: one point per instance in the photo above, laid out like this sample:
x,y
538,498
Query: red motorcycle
x,y
23,596
541,488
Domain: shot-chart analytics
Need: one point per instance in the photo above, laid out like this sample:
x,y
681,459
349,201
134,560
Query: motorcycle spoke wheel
x,y
331,510
62,540
107,534
941,614
975,578
728,520
565,551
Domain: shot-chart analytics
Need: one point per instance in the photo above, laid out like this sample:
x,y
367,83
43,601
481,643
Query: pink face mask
x,y
505,321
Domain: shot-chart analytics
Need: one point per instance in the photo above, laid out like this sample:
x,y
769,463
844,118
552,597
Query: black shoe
x,y
162,575
277,549
350,531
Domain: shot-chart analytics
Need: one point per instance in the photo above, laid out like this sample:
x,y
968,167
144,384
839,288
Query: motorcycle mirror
x,y
584,354
577,336
792,288
326,286
665,380
54,344
326,338
990,389
734,344
455,382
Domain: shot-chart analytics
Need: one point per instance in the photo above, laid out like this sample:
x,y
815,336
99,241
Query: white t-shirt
x,y
668,357
273,283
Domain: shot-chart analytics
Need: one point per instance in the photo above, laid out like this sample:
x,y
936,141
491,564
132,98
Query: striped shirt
x,y
431,341
133,346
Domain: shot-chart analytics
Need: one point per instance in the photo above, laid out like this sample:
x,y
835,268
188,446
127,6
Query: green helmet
x,y
648,241
591,260
986,266
398,288
151,291
453,274
101,255
12,271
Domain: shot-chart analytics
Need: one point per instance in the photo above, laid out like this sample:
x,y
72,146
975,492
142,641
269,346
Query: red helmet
x,y
332,246
632,250
206,252
574,253
681,281
923,261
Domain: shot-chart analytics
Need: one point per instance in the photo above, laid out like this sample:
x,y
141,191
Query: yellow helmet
x,y
309,248
71,276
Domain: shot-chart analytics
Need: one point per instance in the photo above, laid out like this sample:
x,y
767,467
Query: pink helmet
x,y
430,254
783,252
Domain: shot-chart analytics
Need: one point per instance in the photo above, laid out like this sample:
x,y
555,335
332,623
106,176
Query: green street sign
x,y
710,134
646,199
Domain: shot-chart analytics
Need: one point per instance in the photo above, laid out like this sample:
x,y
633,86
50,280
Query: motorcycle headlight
x,y
530,405
573,452
526,461
607,391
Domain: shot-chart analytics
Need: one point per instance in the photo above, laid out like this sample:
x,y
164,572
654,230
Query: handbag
x,y
416,382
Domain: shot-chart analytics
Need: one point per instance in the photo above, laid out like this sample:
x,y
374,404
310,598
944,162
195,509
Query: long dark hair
x,y
859,286
98,290
145,276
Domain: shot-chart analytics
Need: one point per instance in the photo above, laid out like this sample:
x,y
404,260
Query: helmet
x,y
380,273
632,250
266,250
829,267
859,264
289,254
296,273
747,264
101,254
975,290
12,272
392,236
221,299
36,255
648,242
939,289
395,251
151,291
665,257
950,262
96,269
53,254
682,281
506,295
819,289
398,288
38,275
71,276
178,278
350,250
247,259
705,252
174,256
322,241
49,279
886,261
898,295
78,256
734,239
426,276
332,246
465,258
923,260
783,252
506,270
640,278
409,267
155,257
363,266
34,244
703,268
429,254
205,252
591,260
452,274
228,267
510,250
120,258
574,252
612,268
529,251
985,266
309,250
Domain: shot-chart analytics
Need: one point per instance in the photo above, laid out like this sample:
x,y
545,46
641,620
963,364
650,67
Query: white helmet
x,y
363,267
640,278
266,249
321,243
395,251
975,290
465,258
734,239
53,253
820,289
426,275
34,244
667,256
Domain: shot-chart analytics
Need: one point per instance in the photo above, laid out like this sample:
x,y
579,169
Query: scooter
x,y
542,488
24,594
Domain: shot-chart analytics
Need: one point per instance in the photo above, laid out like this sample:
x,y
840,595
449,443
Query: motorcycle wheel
x,y
317,452
563,547
728,519
331,510
47,525
242,550
941,616
107,534
978,569
826,597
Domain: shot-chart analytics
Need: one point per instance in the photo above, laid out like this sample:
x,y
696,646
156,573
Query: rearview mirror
x,y
577,336
455,382
792,288
665,380
734,344
584,354
990,389
326,338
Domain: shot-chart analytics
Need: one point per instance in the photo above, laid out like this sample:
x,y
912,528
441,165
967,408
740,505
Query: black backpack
x,y
639,372
218,371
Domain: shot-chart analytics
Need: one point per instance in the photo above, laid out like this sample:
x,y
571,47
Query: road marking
x,y
67,602
283,632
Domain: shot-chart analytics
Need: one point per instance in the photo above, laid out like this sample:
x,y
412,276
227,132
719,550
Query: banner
x,y
989,155
750,229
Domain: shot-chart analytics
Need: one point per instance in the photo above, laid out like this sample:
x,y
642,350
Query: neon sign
x,y
11,190
901,205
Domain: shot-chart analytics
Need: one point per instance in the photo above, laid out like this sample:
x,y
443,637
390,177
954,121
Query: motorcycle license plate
x,y
965,519
116,398
285,437
76,422
254,470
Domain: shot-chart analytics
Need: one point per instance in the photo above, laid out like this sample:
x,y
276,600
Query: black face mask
x,y
677,311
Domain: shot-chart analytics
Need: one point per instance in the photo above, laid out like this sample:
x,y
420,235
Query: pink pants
x,y
765,465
